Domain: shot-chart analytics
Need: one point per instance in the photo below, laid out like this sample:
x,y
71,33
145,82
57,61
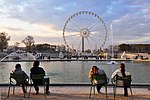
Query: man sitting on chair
x,y
121,72
36,70
96,71
18,71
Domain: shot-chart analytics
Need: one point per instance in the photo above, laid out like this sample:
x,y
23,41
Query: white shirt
x,y
117,72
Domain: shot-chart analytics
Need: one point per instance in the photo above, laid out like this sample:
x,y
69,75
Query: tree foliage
x,y
16,45
29,42
4,38
42,47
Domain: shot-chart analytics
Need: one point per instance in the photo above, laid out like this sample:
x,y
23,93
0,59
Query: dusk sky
x,y
45,19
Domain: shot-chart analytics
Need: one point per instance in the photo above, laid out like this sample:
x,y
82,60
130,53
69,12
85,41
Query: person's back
x,y
122,73
96,72
36,70
19,73
101,72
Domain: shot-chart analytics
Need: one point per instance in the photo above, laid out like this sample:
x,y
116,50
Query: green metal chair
x,y
119,82
101,78
38,77
17,80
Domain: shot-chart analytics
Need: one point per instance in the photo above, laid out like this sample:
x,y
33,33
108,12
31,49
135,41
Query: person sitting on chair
x,y
121,72
18,71
96,71
36,70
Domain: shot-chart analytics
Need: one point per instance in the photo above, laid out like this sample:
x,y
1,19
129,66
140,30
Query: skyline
x,y
45,19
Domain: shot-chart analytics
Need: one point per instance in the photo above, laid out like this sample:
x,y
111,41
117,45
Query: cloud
x,y
54,12
130,18
133,26
13,29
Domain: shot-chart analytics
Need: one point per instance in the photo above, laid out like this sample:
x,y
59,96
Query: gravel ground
x,y
75,93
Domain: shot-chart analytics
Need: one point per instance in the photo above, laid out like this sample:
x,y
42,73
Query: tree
x,y
16,45
4,41
88,51
29,42
42,47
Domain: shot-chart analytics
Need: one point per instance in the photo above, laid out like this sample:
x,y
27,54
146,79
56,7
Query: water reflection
x,y
77,71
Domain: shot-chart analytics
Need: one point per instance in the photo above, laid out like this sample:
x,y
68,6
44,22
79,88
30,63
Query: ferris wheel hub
x,y
84,32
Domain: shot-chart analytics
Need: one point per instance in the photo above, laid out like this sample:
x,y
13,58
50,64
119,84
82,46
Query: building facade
x,y
134,48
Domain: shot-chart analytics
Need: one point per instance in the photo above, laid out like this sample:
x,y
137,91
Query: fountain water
x,y
18,55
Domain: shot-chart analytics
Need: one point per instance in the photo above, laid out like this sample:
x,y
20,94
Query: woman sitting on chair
x,y
96,71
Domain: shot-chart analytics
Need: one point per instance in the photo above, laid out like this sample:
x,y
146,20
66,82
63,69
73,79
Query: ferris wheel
x,y
84,30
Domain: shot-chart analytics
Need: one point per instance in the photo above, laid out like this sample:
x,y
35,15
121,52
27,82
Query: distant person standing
x,y
36,70
121,72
